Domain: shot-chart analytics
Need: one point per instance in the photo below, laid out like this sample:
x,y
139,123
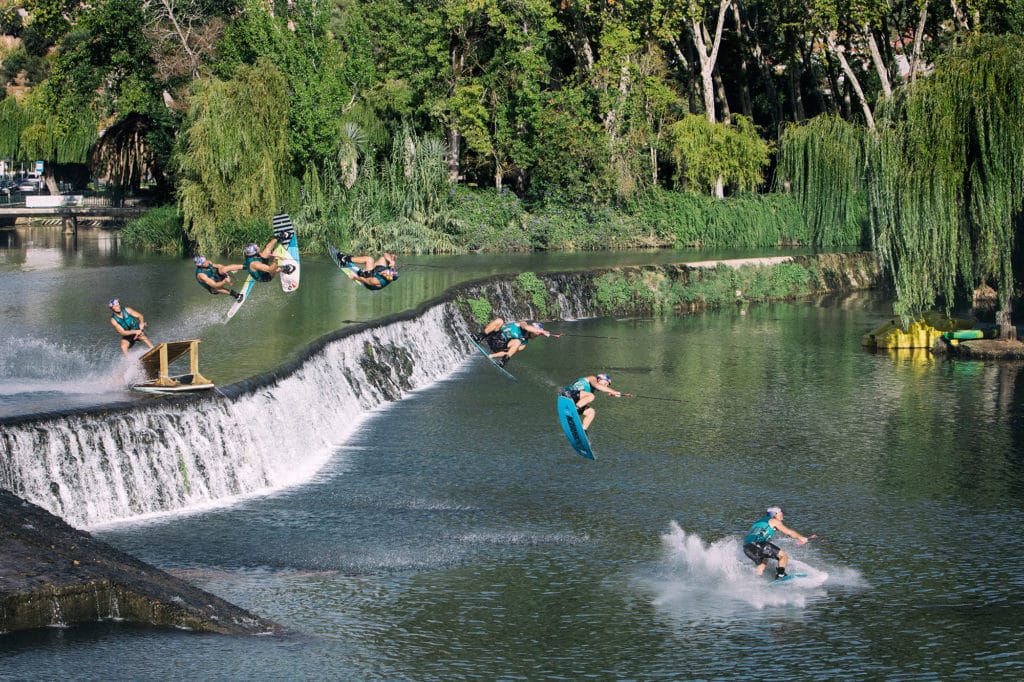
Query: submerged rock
x,y
53,574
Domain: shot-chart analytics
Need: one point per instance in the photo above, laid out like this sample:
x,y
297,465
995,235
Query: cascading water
x,y
98,468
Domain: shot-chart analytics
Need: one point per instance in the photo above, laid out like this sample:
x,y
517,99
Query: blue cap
x,y
113,302
200,260
604,377
772,511
251,249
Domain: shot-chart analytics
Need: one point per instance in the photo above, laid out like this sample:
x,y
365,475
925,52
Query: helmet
x,y
200,260
251,249
113,302
605,377
772,511
538,325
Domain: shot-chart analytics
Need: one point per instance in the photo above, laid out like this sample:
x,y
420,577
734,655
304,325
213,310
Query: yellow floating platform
x,y
158,378
921,333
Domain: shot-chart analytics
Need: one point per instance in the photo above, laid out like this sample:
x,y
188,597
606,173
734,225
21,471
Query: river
x,y
455,535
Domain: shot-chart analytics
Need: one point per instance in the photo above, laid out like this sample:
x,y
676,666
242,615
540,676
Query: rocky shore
x,y
54,575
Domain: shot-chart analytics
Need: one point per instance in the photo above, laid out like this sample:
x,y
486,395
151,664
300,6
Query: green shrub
x,y
536,290
158,228
238,233
490,221
481,309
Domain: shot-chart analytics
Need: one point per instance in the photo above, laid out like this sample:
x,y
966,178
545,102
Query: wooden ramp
x,y
158,378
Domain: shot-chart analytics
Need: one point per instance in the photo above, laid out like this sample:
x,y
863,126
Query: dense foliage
x,y
452,125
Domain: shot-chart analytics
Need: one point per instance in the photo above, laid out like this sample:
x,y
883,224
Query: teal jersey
x,y
761,531
257,275
384,275
210,272
511,331
580,384
127,321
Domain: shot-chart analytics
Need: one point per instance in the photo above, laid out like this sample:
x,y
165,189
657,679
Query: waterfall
x,y
92,468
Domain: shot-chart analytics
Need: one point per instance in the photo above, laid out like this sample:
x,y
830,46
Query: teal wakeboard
x,y
246,290
788,578
487,354
573,427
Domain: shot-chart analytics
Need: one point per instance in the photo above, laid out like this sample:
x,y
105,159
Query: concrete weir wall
x,y
93,466
53,575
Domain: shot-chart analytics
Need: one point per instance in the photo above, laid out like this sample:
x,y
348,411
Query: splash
x,y
697,581
31,365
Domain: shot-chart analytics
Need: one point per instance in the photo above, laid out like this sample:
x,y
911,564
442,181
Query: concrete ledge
x,y
52,574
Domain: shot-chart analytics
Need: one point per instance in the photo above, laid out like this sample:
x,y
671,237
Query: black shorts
x,y
133,339
497,343
574,395
760,552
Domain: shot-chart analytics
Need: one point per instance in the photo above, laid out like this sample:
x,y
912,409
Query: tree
x,y
708,155
945,171
183,35
233,152
101,73
314,69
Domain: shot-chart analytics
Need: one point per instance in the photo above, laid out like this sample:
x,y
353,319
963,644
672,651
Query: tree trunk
x,y
1007,330
50,180
454,140
722,99
878,61
840,52
708,59
915,59
795,92
690,72
452,135
748,36
708,55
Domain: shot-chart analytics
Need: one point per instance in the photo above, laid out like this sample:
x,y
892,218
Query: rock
x,y
54,574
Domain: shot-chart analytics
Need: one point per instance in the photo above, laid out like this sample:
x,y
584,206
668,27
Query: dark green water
x,y
456,536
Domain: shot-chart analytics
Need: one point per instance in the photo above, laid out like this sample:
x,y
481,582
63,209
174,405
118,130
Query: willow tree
x,y
43,135
233,152
945,178
822,163
708,156
14,118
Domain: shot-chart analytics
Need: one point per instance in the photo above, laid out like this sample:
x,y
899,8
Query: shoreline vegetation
x,y
484,220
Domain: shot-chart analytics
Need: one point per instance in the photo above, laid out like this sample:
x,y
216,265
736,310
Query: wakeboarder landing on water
x,y
758,546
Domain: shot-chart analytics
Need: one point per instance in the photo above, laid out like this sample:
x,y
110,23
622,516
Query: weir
x,y
93,467
270,432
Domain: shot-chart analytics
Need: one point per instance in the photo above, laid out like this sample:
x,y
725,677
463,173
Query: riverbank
x,y
52,575
984,349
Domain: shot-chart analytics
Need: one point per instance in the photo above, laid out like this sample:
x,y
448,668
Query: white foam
x,y
698,581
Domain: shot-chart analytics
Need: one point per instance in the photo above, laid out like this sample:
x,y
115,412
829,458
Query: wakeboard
x,y
788,578
487,354
287,252
573,427
350,269
184,383
246,290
